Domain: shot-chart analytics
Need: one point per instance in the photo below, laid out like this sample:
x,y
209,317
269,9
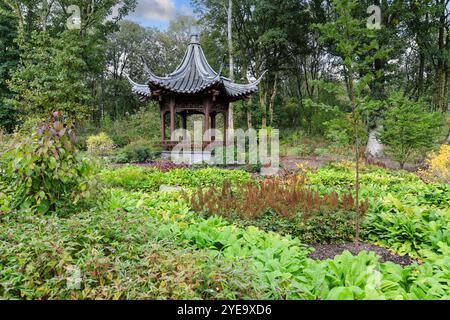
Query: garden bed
x,y
329,251
240,237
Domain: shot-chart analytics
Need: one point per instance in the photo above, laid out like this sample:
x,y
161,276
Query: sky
x,y
159,13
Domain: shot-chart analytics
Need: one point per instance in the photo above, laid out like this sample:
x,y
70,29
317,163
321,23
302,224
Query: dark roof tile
x,y
192,76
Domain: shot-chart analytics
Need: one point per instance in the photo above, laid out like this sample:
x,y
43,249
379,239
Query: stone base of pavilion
x,y
189,158
192,154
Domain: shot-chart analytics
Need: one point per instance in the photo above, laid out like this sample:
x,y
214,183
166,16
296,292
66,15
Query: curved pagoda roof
x,y
193,76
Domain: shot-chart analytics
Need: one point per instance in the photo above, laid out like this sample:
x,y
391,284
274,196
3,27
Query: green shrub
x,y
321,227
116,256
406,214
338,132
282,205
142,125
100,145
327,227
45,172
150,179
299,150
4,141
322,151
120,139
276,261
408,229
409,129
137,245
5,197
341,131
136,152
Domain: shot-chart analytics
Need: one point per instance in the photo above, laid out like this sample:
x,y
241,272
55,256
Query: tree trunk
x,y
446,102
352,94
440,90
272,99
262,102
300,99
420,79
44,15
230,50
248,108
440,71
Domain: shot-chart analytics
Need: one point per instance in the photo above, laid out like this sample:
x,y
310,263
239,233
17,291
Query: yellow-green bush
x,y
100,144
438,166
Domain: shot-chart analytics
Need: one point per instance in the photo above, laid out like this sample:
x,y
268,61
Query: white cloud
x,y
115,12
160,10
186,11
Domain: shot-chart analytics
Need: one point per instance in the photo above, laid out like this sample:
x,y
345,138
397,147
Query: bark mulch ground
x,y
329,251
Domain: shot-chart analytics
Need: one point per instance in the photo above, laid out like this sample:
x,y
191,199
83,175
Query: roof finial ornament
x,y
222,65
194,76
195,34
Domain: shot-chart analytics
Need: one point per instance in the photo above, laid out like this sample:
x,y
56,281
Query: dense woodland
x,y
90,210
322,60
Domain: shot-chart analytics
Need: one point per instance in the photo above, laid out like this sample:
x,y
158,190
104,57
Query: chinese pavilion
x,y
193,88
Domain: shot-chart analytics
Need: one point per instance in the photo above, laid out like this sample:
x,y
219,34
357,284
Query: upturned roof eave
x,y
193,76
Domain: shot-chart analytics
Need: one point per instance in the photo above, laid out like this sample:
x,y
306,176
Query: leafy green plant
x,y
431,280
150,179
141,126
407,229
348,277
120,248
5,198
136,152
276,259
405,214
115,255
45,171
100,145
408,128
341,131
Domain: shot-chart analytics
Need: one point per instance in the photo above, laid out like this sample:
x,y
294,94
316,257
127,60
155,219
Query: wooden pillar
x,y
213,120
226,127
163,126
213,125
172,117
184,120
184,124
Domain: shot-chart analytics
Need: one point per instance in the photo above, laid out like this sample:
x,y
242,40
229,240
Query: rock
x,y
169,188
374,146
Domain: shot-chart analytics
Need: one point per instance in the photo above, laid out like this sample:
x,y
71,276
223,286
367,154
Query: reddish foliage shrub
x,y
285,196
165,166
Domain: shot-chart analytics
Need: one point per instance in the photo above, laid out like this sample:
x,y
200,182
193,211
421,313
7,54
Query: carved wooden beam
x,y
215,94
